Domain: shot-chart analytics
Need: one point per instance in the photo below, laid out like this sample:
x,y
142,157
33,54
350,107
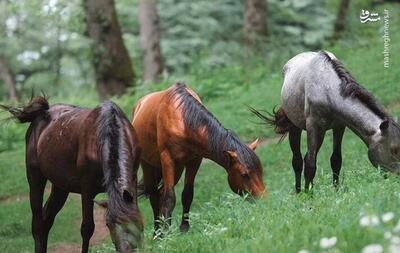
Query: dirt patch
x,y
100,234
66,247
101,231
268,140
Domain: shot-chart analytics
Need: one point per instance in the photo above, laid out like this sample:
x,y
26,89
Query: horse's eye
x,y
245,176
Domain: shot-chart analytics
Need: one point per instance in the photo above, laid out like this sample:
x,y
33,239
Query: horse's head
x,y
385,148
125,227
245,171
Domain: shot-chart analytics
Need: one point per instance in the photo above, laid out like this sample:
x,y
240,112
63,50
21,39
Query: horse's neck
x,y
360,119
216,155
219,158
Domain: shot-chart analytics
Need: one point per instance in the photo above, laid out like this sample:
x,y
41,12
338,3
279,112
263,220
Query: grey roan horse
x,y
319,94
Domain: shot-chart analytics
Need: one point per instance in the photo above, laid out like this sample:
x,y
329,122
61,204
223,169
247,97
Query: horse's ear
x,y
230,154
384,125
253,145
102,203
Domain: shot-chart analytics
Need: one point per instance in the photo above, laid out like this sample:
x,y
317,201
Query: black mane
x,y
220,139
117,163
351,88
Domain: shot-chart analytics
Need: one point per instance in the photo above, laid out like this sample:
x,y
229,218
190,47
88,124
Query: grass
x,y
224,222
15,229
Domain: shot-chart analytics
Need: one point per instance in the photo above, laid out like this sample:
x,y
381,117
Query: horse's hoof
x,y
184,227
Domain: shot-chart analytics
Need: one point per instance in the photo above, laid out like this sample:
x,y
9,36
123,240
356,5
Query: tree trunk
x,y
340,20
150,40
9,79
113,67
255,20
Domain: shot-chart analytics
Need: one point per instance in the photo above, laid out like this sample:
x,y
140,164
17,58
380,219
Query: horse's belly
x,y
151,156
294,106
147,141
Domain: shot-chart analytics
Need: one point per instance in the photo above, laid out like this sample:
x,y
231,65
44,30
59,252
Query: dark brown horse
x,y
84,151
175,131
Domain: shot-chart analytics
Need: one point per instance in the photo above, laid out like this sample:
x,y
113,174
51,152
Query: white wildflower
x,y
369,220
372,248
394,248
325,242
304,251
386,217
395,240
387,235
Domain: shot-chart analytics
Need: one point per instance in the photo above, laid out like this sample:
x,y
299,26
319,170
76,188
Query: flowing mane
x,y
116,161
220,139
351,88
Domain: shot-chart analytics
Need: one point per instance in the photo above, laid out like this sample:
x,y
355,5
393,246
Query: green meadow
x,y
364,211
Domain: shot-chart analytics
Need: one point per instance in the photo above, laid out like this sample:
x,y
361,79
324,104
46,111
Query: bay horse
x,y
86,151
319,94
175,131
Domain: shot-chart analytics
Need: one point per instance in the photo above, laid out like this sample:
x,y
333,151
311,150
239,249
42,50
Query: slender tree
x,y
150,40
255,20
8,77
340,20
113,67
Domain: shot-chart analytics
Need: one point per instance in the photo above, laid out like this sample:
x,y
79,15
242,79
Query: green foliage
x,y
43,43
300,25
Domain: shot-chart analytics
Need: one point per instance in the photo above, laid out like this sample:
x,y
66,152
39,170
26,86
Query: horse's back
x,y
308,80
61,143
158,120
144,122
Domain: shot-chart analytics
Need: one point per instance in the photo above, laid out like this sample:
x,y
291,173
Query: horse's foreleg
x,y
315,137
152,178
37,184
297,159
170,171
188,190
53,205
87,226
336,158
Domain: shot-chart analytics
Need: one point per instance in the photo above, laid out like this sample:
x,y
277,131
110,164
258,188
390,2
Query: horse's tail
x,y
35,108
277,119
118,160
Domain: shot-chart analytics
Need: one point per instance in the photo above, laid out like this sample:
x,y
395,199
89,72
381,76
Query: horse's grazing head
x,y
385,147
126,227
245,173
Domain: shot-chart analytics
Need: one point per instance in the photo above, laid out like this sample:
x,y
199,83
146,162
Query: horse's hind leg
x,y
315,137
336,158
53,205
87,225
187,194
37,183
297,159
